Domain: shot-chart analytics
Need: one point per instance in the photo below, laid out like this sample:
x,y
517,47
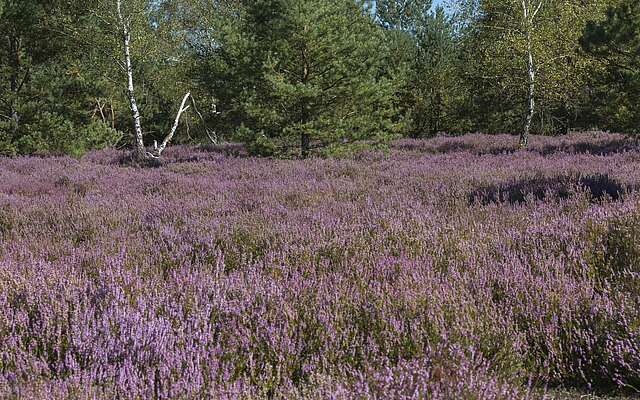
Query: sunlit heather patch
x,y
220,276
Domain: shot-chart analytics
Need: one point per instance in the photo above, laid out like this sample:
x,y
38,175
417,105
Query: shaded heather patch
x,y
598,187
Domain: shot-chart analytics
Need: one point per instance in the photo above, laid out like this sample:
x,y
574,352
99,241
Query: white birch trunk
x,y
135,113
531,101
167,139
140,151
529,18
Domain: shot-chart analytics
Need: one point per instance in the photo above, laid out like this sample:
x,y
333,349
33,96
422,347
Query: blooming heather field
x,y
443,269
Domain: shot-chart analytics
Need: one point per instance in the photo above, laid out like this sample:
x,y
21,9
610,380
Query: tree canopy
x,y
295,78
614,43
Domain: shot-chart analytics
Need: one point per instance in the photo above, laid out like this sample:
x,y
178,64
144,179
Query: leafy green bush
x,y
51,133
7,147
257,142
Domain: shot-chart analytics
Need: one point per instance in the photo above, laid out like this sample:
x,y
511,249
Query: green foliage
x,y
73,77
616,39
290,77
99,135
303,75
437,90
53,116
158,55
48,96
615,43
7,147
48,132
496,66
424,60
51,133
257,142
402,15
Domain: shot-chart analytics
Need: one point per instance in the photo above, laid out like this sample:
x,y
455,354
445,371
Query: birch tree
x,y
524,58
530,10
125,34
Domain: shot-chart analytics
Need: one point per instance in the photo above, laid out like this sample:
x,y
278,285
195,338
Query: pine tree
x,y
615,43
305,75
44,100
423,59
402,15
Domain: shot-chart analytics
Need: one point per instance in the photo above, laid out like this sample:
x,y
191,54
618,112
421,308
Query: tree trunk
x,y
531,102
305,139
437,112
140,152
15,76
529,14
159,150
304,145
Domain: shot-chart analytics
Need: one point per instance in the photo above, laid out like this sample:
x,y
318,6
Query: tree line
x,y
291,78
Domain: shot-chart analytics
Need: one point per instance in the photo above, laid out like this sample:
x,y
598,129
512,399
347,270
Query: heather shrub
x,y
600,143
6,222
621,258
228,149
129,160
445,374
79,188
235,277
616,271
354,150
590,340
244,244
613,257
540,187
600,187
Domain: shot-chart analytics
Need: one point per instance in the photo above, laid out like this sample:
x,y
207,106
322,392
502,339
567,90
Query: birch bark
x,y
167,139
529,14
140,152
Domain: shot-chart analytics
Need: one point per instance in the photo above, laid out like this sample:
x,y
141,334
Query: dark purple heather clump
x,y
540,187
453,268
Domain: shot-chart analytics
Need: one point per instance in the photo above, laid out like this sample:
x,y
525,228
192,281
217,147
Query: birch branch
x,y
159,149
214,138
537,9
